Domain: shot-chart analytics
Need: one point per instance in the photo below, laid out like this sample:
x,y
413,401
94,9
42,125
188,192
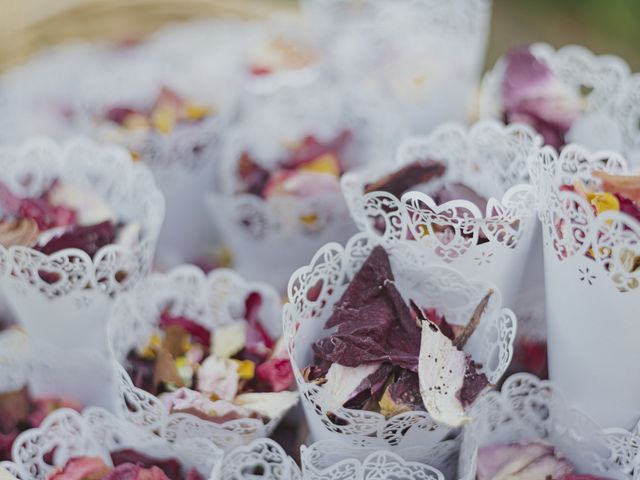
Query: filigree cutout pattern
x,y
97,432
530,409
210,300
490,158
608,90
602,244
314,289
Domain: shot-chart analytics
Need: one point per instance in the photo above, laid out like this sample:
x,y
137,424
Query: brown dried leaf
x,y
19,232
461,340
175,338
14,408
165,370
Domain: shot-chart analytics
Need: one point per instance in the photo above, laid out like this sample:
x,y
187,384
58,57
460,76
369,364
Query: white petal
x,y
91,208
268,404
342,381
229,339
441,369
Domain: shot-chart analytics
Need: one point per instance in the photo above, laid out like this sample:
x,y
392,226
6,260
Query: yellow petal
x,y
327,163
246,369
309,219
195,111
136,121
603,201
163,119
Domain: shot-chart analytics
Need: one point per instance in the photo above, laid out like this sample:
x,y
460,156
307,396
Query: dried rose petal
x,y
374,323
129,471
46,215
165,370
88,238
201,334
218,377
521,461
626,185
141,370
82,468
441,372
229,339
189,401
253,176
258,340
370,389
572,476
119,114
300,184
404,392
460,191
407,177
532,95
311,149
6,442
268,404
89,207
171,467
276,373
342,381
628,207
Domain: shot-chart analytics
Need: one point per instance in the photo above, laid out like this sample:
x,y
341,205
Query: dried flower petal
x,y
403,395
171,467
532,95
165,370
14,408
441,373
342,381
90,208
129,471
23,232
200,333
276,373
407,177
521,461
229,339
88,238
268,404
460,191
82,468
626,185
46,215
218,377
374,323
189,401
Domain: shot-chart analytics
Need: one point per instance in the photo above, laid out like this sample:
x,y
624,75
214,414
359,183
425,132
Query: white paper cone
x,y
442,288
489,158
81,376
608,109
591,302
211,301
71,311
184,159
269,238
96,432
359,458
529,409
424,56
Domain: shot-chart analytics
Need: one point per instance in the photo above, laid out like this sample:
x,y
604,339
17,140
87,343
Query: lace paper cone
x,y
263,458
64,298
36,98
440,287
97,432
425,56
211,301
529,409
600,87
364,457
592,293
81,376
270,237
489,158
181,155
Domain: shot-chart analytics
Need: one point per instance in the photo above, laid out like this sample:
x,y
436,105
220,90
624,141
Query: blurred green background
x,y
603,26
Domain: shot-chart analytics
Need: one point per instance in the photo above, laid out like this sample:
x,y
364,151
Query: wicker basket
x,y
27,26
